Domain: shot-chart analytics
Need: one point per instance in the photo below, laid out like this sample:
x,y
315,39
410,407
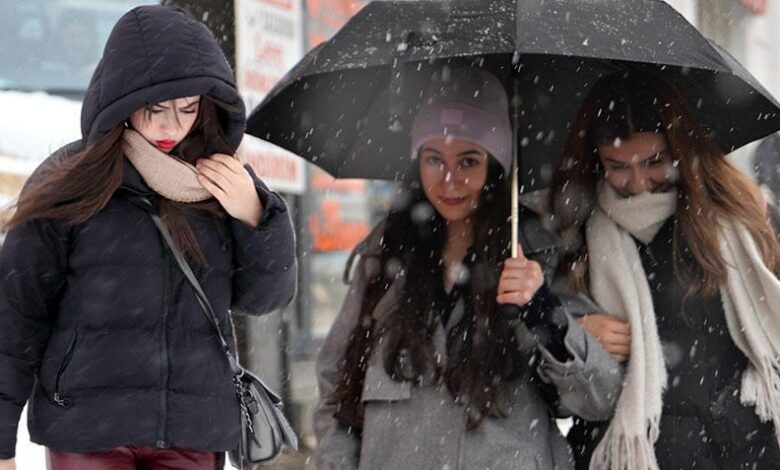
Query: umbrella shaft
x,y
514,212
514,215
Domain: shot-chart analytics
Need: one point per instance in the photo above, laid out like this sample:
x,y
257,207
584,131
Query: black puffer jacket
x,y
97,326
703,425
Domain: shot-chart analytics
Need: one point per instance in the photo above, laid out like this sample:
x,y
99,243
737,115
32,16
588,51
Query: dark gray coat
x,y
421,427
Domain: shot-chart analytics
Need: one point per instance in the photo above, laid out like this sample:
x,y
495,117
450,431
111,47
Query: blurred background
x,y
48,51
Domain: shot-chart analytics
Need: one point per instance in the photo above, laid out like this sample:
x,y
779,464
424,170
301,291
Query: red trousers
x,y
133,458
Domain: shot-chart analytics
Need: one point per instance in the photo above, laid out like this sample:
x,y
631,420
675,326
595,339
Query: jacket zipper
x,y
59,398
162,442
167,295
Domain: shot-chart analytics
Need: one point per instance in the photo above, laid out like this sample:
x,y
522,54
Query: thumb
x,y
520,253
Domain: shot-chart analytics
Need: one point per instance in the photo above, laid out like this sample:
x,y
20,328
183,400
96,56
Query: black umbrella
x,y
348,104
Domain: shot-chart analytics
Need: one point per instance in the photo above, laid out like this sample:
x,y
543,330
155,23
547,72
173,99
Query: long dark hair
x,y
482,348
710,189
76,188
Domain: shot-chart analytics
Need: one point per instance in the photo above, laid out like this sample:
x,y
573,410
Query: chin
x,y
455,216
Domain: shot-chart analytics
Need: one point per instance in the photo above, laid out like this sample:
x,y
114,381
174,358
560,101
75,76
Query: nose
x,y
168,122
453,177
638,181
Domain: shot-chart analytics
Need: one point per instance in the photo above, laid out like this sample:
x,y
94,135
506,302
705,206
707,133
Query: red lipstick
x,y
165,144
453,201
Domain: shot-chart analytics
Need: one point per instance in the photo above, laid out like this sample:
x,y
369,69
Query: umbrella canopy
x,y
348,104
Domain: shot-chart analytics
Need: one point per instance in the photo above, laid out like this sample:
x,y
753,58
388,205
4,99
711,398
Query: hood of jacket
x,y
158,53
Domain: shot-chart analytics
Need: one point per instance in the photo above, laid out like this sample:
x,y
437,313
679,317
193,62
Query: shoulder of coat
x,y
536,201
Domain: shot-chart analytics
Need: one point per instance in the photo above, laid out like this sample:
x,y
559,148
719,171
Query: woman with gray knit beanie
x,y
675,247
420,369
99,331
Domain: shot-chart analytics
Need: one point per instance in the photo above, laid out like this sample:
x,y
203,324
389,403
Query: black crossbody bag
x,y
264,428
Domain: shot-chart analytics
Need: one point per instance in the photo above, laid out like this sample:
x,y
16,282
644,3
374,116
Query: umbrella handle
x,y
512,311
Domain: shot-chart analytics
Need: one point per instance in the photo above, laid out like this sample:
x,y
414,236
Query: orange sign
x,y
329,232
327,16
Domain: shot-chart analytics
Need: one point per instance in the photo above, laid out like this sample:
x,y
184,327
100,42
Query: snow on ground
x,y
29,456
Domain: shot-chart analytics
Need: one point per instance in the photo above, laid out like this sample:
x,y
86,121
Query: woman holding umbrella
x,y
420,369
674,244
98,328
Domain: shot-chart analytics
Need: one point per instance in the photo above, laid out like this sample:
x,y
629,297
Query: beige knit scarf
x,y
751,300
167,175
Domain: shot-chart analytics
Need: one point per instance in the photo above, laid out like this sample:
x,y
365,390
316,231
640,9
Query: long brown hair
x,y
482,348
710,189
75,188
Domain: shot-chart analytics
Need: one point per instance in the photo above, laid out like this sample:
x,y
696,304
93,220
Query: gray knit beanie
x,y
469,104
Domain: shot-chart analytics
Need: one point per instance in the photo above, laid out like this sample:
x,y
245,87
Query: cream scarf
x,y
167,175
751,299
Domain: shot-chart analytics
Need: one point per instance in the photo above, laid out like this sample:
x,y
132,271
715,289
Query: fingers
x,y
520,253
618,327
215,176
223,170
516,285
518,298
613,334
515,266
621,353
224,165
616,345
229,162
519,282
512,275
607,328
603,322
518,274
616,341
211,187
606,337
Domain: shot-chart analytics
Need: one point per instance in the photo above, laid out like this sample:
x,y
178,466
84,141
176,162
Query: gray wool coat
x,y
421,427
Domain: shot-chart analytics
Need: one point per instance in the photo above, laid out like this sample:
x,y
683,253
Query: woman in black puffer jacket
x,y
98,328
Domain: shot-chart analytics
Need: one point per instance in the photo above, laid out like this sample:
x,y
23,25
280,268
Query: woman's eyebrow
x,y
638,160
470,152
429,149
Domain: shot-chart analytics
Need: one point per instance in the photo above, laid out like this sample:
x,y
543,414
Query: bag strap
x,y
288,434
205,305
